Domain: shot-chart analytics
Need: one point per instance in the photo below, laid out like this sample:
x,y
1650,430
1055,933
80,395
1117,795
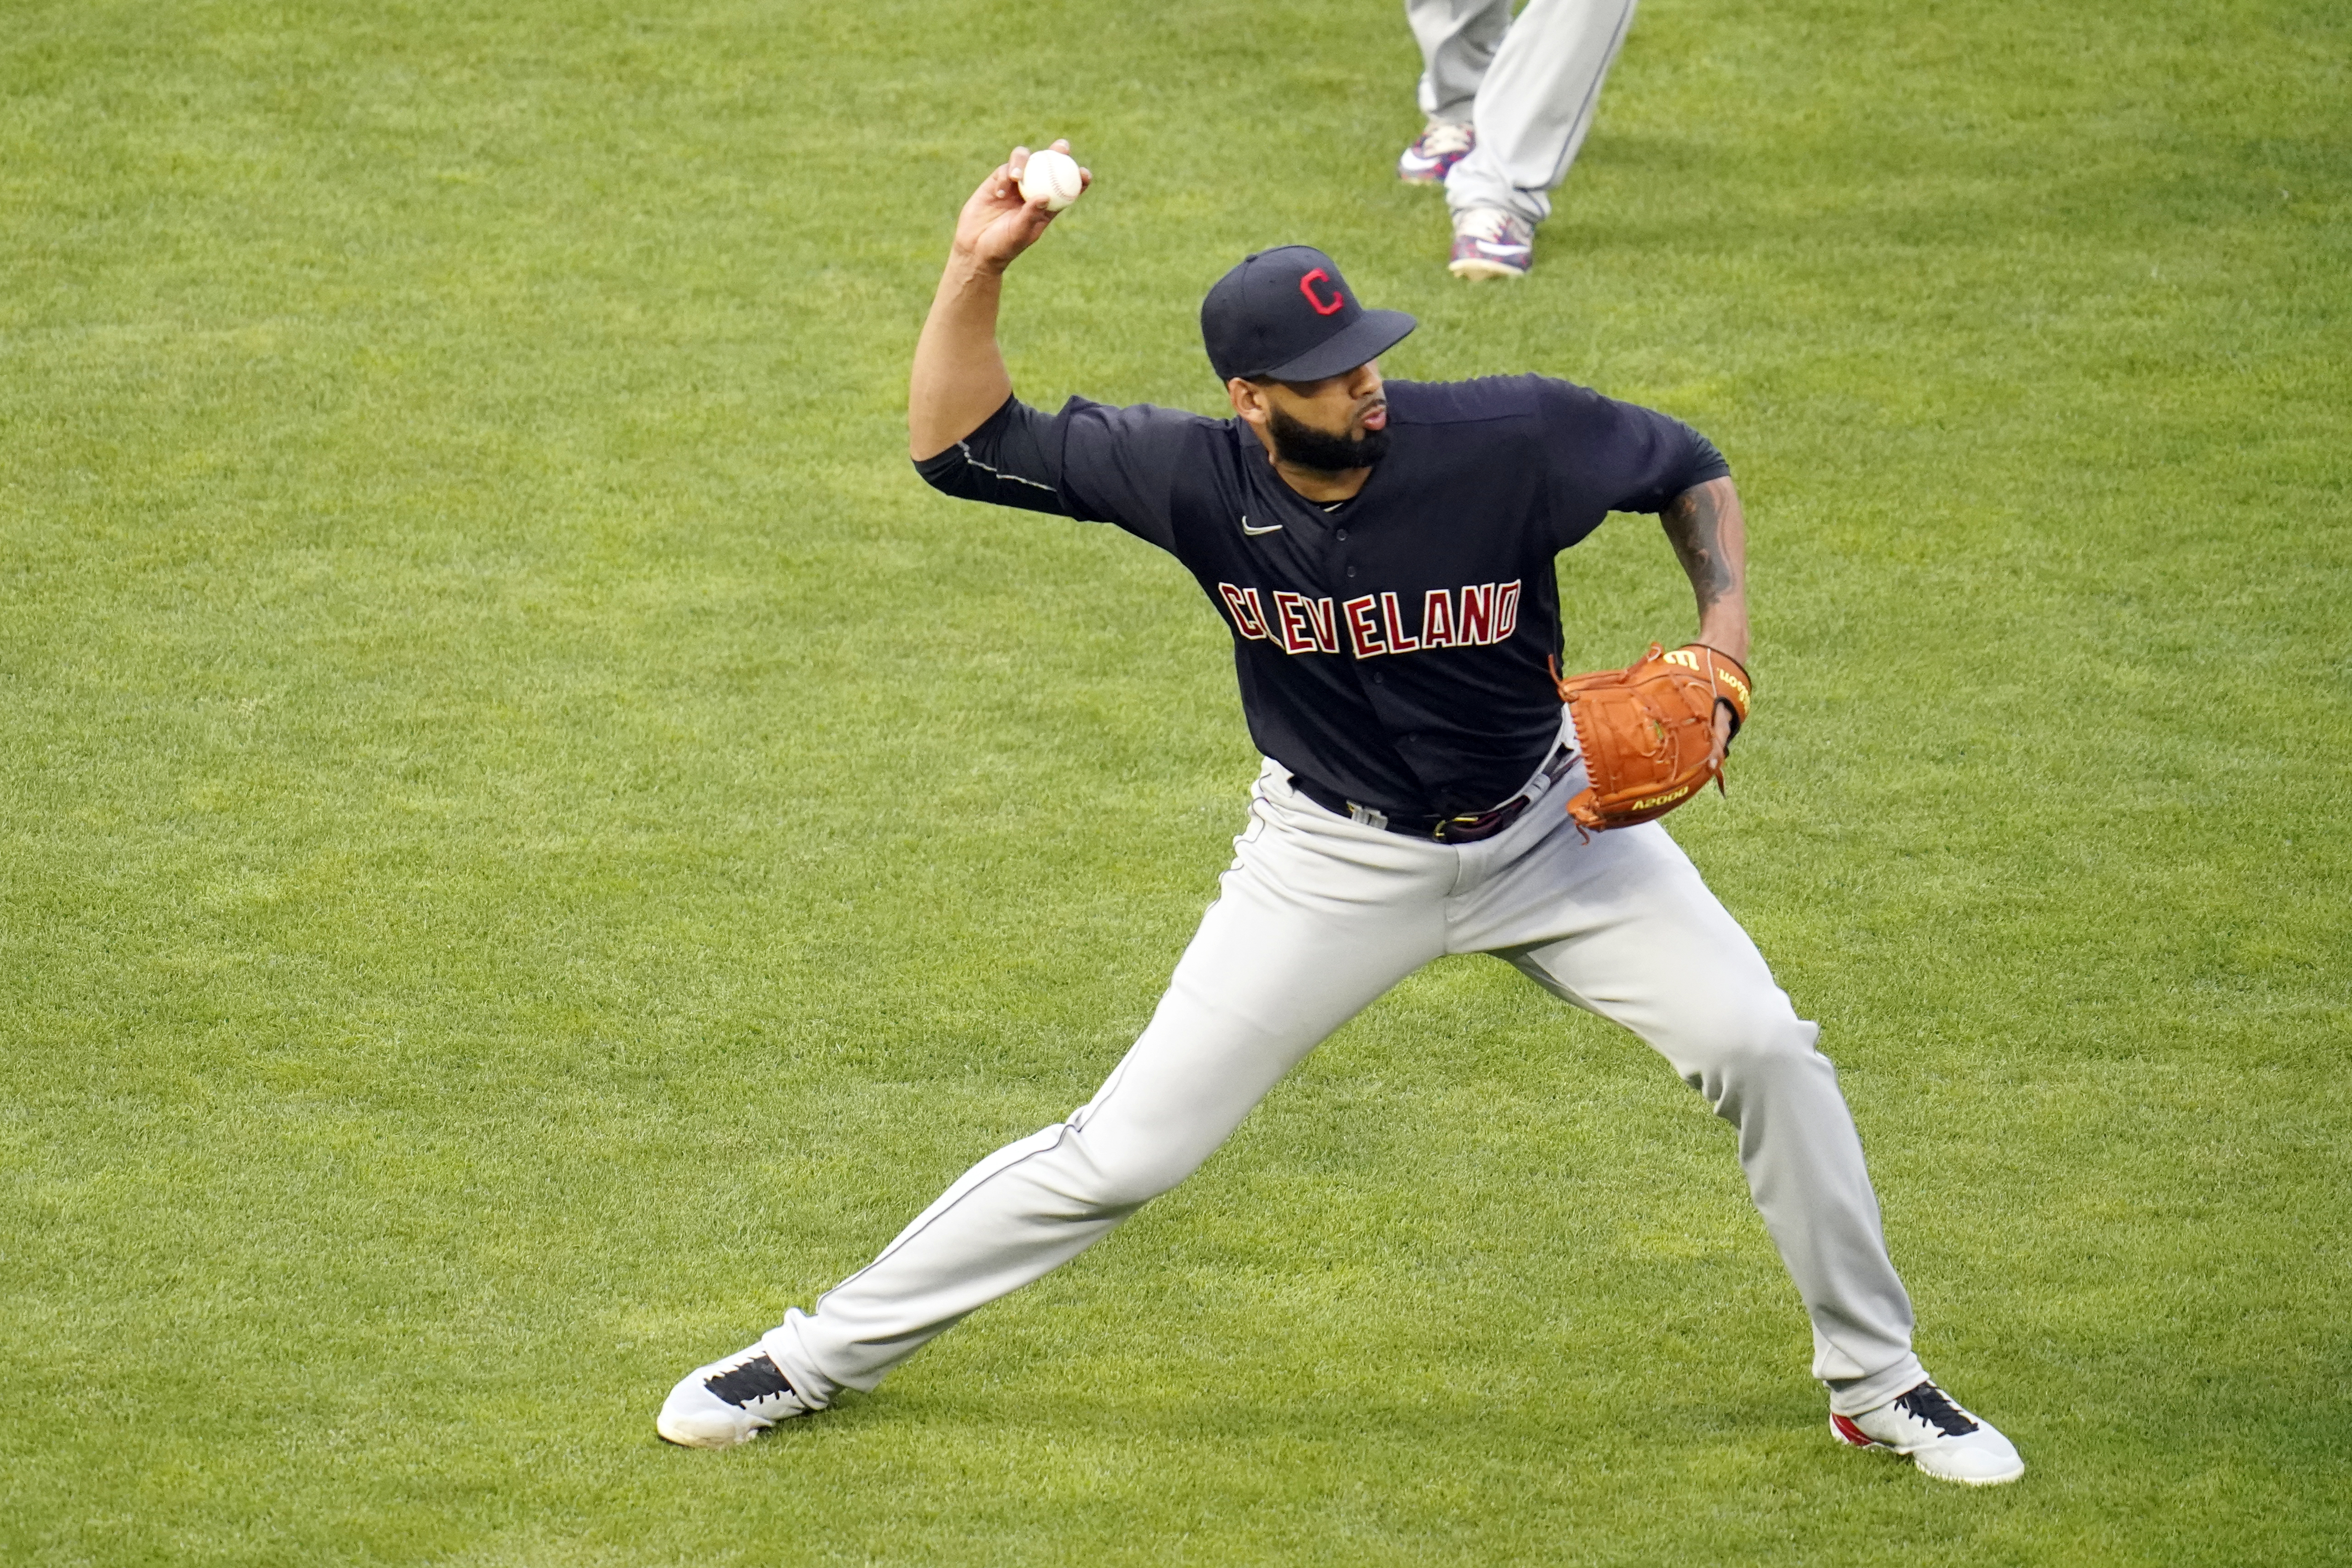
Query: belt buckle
x,y
1555,768
1485,824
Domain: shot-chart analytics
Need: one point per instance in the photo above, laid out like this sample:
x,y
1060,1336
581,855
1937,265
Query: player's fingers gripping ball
x,y
1052,178
1647,732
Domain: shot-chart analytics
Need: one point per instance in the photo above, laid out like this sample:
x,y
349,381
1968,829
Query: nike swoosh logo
x,y
1270,528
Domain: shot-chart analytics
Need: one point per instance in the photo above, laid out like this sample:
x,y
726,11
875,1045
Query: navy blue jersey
x,y
1391,647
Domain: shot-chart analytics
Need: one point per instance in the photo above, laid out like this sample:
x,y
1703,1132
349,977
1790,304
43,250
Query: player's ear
x,y
1248,399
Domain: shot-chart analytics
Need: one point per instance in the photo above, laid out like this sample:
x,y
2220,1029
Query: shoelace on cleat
x,y
758,1378
1441,137
1932,1406
1490,227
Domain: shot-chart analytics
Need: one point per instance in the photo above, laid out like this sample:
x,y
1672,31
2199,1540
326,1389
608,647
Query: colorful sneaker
x,y
1441,145
729,1402
1927,1428
1491,243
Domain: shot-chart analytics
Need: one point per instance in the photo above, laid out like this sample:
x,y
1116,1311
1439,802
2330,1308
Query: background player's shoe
x,y
729,1402
1491,243
1441,145
1929,1427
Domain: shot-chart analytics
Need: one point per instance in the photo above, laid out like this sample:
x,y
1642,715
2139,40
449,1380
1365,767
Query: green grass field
x,y
529,842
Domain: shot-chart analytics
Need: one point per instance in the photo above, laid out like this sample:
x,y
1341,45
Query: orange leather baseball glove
x,y
1647,731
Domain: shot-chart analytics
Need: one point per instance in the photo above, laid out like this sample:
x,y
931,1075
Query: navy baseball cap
x,y
1287,314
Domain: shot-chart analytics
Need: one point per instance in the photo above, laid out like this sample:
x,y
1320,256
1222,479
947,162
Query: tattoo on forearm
x,y
1694,524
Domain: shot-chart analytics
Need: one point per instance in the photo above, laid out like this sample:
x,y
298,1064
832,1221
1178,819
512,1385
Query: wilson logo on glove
x,y
1647,731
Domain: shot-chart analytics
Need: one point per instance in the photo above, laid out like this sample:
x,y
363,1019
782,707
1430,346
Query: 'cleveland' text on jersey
x,y
1486,612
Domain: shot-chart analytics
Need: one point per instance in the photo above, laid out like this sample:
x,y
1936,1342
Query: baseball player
x,y
1508,102
1382,554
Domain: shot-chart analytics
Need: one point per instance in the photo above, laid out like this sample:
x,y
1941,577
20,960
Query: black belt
x,y
1445,829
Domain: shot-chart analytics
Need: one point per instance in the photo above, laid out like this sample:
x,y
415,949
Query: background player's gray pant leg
x,y
1301,939
1651,948
1536,100
1458,39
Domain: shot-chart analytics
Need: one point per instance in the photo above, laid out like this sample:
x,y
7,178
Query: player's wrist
x,y
967,265
1727,637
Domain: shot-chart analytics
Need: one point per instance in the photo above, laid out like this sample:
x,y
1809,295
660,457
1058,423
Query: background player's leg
x,y
1315,920
1623,926
1534,104
1458,39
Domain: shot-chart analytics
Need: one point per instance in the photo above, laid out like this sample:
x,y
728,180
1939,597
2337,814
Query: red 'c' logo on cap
x,y
1306,287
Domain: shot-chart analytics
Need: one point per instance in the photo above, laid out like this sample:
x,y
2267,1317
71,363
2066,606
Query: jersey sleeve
x,y
1091,460
1610,457
1014,459
1123,465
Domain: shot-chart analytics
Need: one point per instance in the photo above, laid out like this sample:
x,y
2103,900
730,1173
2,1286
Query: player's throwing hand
x,y
998,223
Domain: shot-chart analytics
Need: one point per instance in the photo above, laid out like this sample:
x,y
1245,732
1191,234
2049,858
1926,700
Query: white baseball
x,y
1052,176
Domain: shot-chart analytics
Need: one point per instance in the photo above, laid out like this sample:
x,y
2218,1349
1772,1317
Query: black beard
x,y
1303,447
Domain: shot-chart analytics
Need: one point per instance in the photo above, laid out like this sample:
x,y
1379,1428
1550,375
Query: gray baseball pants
x,y
1530,86
1319,916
